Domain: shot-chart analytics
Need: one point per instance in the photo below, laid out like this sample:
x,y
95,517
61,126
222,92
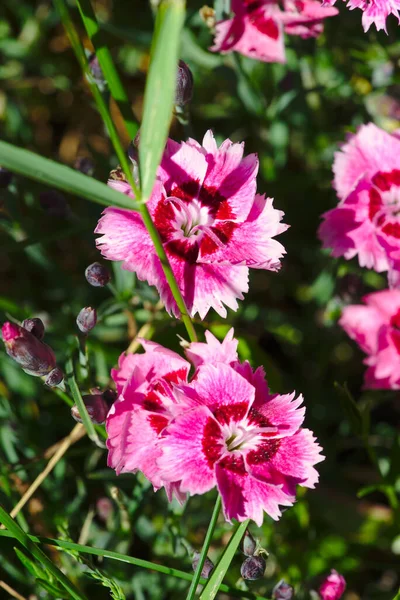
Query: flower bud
x,y
104,508
54,378
282,591
54,204
253,568
97,275
333,586
5,178
34,326
249,544
207,567
35,357
86,319
96,406
85,165
97,72
184,84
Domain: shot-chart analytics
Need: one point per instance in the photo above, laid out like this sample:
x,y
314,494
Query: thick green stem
x,y
37,553
204,550
107,65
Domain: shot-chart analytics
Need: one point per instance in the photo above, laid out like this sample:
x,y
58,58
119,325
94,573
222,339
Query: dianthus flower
x,y
257,26
366,223
374,11
211,221
332,588
375,327
222,428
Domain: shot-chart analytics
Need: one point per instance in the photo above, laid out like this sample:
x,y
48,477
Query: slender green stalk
x,y
212,586
30,544
204,550
103,54
76,395
145,564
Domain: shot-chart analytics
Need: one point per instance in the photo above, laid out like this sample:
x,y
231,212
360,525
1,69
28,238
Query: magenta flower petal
x,y
213,351
332,588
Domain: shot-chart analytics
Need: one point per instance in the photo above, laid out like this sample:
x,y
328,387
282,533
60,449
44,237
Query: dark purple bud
x,y
96,406
110,396
35,357
96,71
97,275
282,591
5,178
86,319
184,84
34,326
85,165
54,204
249,544
54,378
207,567
253,568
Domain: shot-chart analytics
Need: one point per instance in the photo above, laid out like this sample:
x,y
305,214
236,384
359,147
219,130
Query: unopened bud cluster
x,y
254,566
207,567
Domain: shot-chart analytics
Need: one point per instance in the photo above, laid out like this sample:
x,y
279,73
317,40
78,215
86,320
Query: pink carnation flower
x,y
223,428
366,223
332,588
257,26
211,221
374,11
375,327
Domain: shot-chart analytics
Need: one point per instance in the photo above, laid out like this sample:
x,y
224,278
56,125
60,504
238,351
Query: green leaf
x,y
211,588
52,589
52,174
160,90
29,565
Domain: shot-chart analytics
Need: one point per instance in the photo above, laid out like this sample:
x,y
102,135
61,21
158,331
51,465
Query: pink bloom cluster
x,y
221,427
375,326
366,222
257,26
332,588
374,11
213,225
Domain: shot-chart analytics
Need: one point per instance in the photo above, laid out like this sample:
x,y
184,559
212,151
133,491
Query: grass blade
x,y
160,89
16,532
52,174
213,585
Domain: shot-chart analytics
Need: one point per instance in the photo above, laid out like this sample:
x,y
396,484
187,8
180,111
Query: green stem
x,y
76,395
204,550
107,65
37,553
145,564
154,235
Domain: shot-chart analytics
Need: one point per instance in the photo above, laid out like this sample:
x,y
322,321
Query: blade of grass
x,y
31,545
145,564
159,95
213,585
110,72
52,174
204,550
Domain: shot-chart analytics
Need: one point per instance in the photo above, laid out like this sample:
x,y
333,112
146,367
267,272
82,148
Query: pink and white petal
x,y
190,448
127,371
370,252
133,436
362,324
264,42
257,379
387,302
369,150
213,351
173,490
371,381
251,242
283,412
121,186
335,229
185,164
296,457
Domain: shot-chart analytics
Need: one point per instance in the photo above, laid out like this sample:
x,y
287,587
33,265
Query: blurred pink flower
x,y
375,327
366,222
374,11
333,586
257,26
223,428
211,221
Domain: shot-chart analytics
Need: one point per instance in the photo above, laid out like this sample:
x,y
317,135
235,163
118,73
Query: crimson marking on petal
x,y
395,320
264,452
266,26
164,218
392,229
382,181
234,463
259,419
223,231
185,250
211,442
395,177
375,202
217,204
396,339
186,191
158,422
231,412
176,376
152,402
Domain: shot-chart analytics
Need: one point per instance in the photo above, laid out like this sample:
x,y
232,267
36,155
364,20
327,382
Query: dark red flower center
x,y
384,202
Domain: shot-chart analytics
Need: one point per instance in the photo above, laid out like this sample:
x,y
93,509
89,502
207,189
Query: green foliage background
x,y
294,116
